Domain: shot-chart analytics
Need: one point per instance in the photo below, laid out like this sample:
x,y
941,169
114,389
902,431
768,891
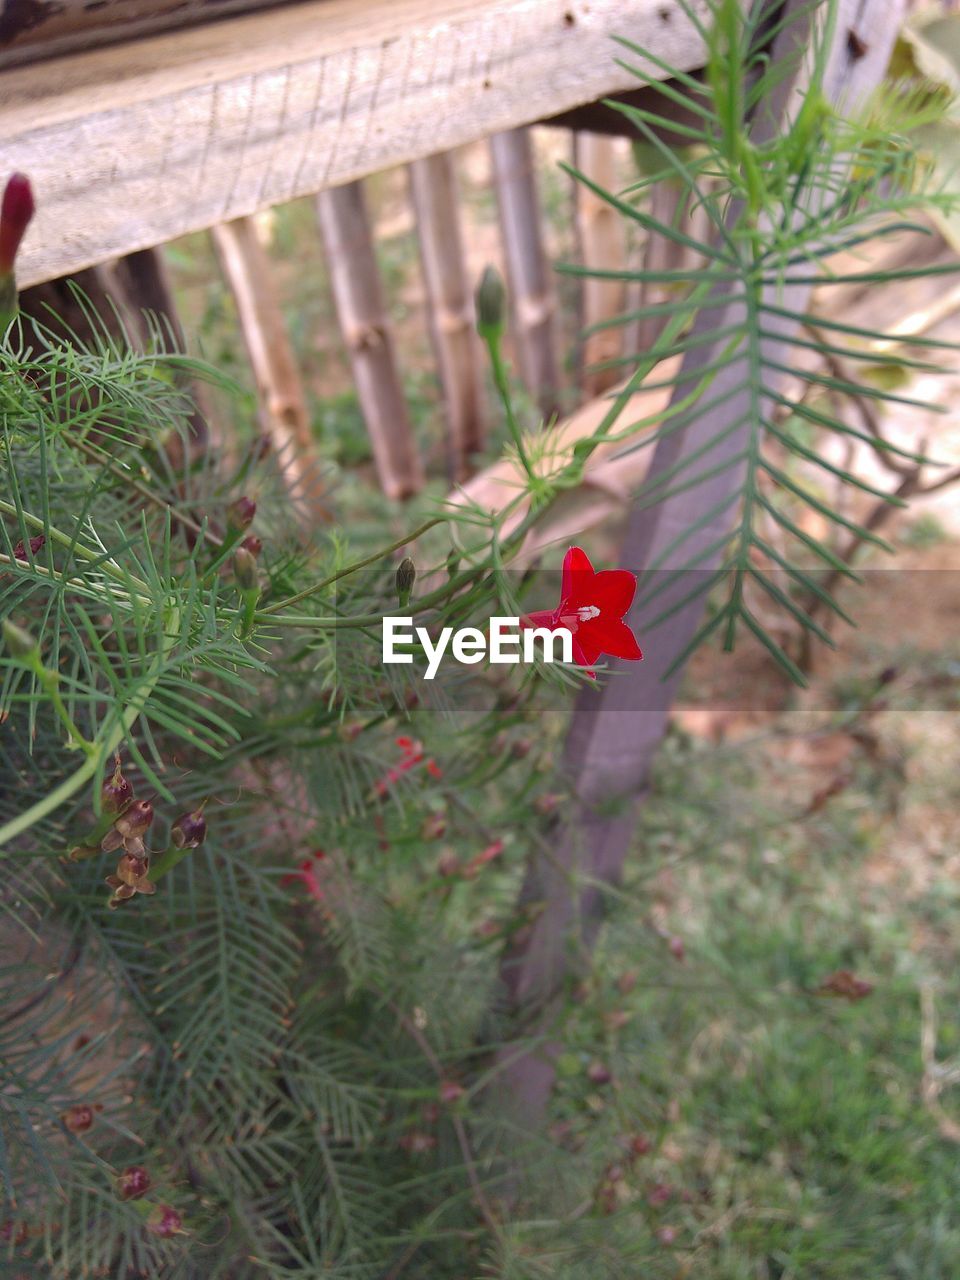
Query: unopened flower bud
x,y
18,642
16,212
78,1118
252,544
245,570
434,826
135,821
189,830
406,577
598,1073
489,300
240,513
451,1092
116,792
133,1182
164,1221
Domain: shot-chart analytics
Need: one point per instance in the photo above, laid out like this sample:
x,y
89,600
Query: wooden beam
x,y
134,145
29,32
433,184
283,406
358,294
532,298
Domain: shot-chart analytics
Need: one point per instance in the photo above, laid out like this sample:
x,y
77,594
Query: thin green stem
x,y
50,681
502,384
57,535
350,568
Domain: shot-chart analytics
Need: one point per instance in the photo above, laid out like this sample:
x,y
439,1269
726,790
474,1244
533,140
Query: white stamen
x,y
587,612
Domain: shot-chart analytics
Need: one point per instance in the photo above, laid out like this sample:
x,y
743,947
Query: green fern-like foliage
x,y
787,206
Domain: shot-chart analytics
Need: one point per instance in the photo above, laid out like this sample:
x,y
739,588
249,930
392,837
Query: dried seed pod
x,y
20,552
133,1182
164,1221
132,868
135,821
189,830
78,1118
116,792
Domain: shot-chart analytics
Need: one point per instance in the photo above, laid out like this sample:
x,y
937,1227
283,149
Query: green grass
x,y
788,1136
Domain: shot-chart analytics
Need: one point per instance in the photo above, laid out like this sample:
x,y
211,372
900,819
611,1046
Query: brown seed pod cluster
x,y
130,826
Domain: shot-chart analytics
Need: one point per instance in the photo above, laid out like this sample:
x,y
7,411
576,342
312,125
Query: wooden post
x,y
433,184
358,295
603,247
612,741
532,298
248,272
143,281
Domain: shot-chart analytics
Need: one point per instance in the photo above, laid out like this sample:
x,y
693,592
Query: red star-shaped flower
x,y
591,608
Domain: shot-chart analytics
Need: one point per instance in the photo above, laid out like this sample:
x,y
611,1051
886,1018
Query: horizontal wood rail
x,y
132,145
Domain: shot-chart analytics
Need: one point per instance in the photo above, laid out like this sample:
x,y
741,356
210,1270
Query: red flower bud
x,y
133,1182
79,1118
135,821
19,551
189,830
240,513
15,214
116,792
434,826
164,1221
14,1233
598,1073
417,1143
252,544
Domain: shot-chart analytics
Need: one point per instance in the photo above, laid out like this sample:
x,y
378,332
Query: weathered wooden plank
x,y
433,184
133,145
361,310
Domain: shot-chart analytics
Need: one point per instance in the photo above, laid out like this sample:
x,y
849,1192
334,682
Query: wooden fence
x,y
133,139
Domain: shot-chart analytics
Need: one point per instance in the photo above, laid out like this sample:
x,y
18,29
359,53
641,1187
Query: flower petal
x,y
622,643
542,618
577,579
614,590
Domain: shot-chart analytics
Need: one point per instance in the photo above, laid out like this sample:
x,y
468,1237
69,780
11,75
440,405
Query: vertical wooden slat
x,y
603,246
143,281
247,270
358,295
533,301
433,185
